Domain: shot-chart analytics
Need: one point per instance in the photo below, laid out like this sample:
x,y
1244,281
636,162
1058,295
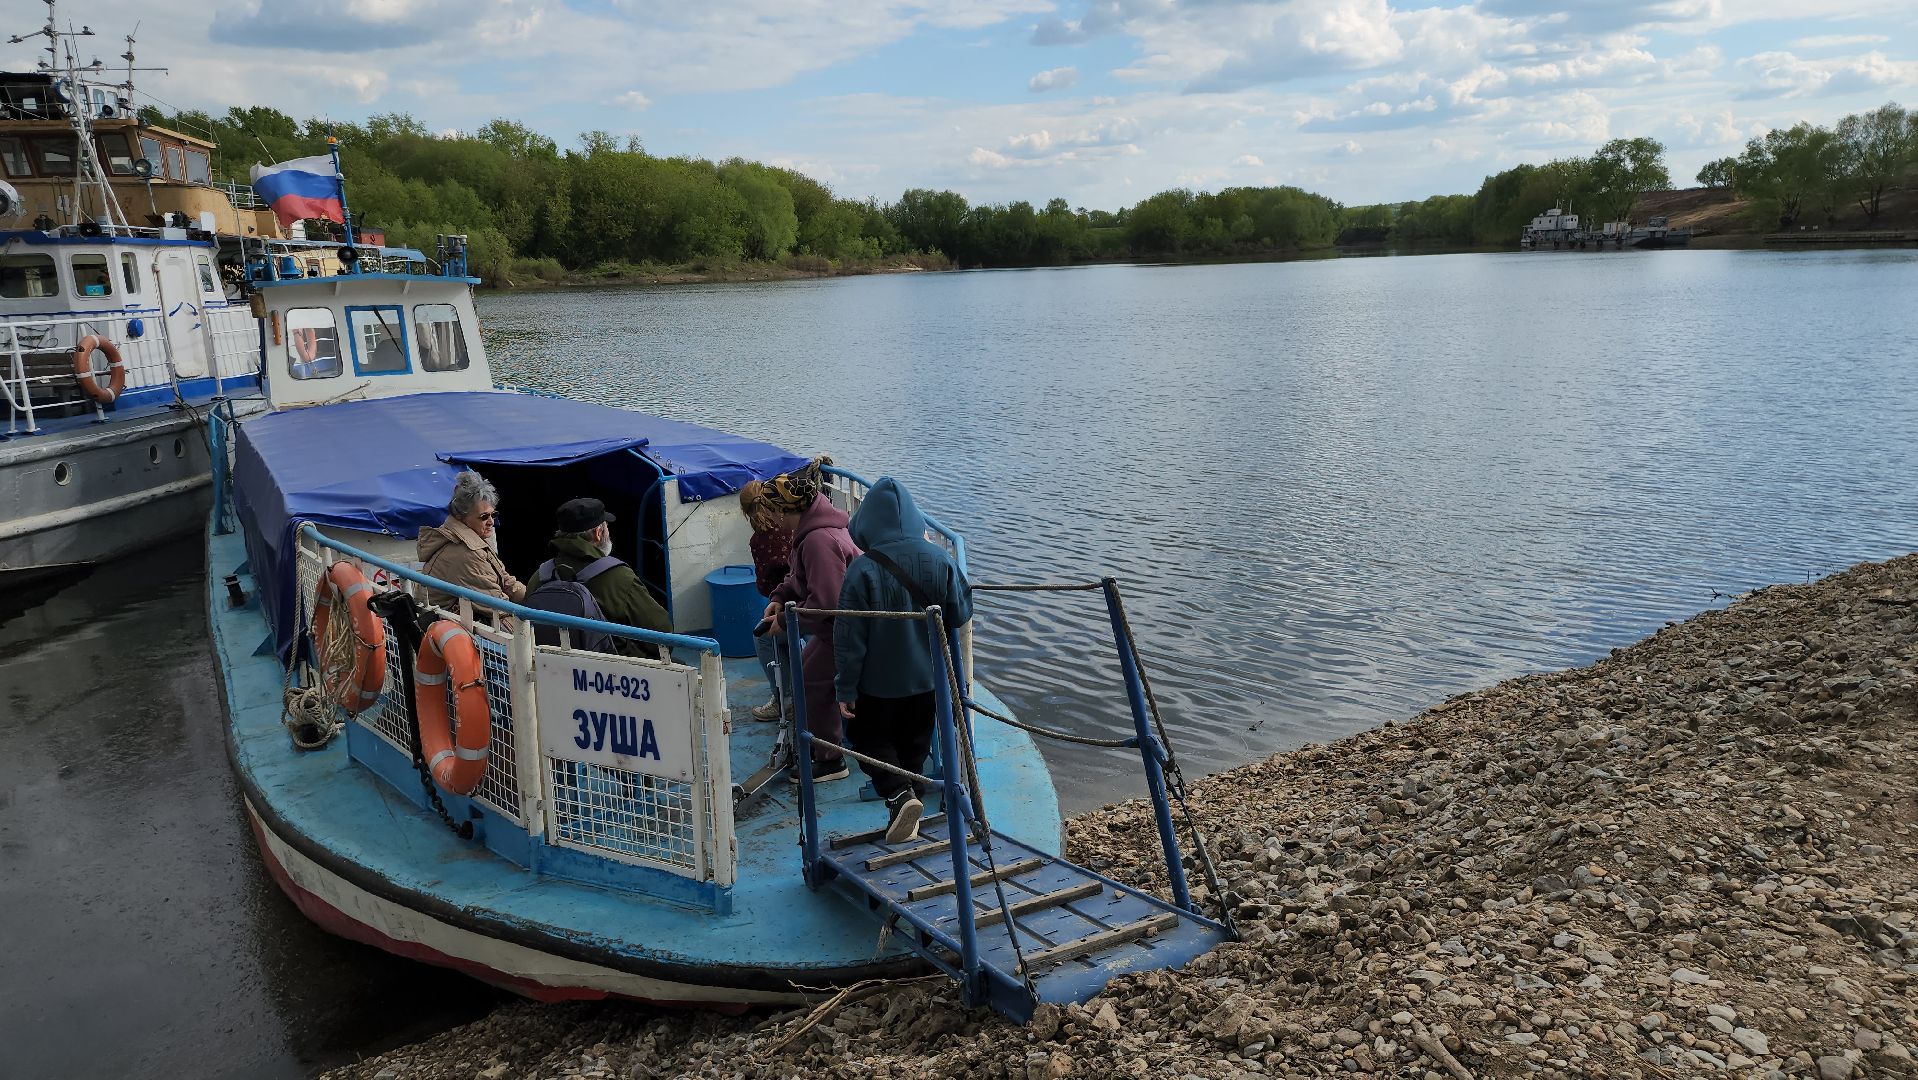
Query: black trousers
x,y
897,731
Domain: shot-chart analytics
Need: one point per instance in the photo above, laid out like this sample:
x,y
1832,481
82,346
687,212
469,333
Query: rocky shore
x,y
1694,857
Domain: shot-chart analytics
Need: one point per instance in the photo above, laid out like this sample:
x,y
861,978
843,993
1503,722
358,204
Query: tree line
x,y
607,206
1808,173
530,208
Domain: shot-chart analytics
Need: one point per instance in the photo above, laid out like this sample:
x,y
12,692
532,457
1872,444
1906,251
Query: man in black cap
x,y
582,552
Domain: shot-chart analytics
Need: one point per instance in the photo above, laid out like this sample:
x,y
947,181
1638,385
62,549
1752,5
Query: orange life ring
x,y
449,650
89,381
344,582
307,341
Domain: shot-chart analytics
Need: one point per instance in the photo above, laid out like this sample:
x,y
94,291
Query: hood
x,y
887,514
822,514
574,547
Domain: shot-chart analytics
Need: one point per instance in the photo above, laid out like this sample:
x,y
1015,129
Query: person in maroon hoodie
x,y
822,549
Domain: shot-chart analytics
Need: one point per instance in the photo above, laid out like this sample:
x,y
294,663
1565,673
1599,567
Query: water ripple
x,y
1335,492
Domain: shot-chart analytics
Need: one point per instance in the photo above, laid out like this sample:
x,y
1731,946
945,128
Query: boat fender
x,y
448,651
136,327
90,379
343,583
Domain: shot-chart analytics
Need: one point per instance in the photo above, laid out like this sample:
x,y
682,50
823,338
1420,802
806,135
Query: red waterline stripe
x,y
335,921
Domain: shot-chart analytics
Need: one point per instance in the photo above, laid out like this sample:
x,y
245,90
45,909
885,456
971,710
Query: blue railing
x,y
494,603
958,542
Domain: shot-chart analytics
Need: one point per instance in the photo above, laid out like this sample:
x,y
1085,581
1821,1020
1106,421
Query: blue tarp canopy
x,y
387,465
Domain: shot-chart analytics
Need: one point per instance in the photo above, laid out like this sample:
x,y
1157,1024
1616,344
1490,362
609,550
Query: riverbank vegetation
x,y
610,211
1810,174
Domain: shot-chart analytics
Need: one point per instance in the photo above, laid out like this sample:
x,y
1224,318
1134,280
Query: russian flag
x,y
305,187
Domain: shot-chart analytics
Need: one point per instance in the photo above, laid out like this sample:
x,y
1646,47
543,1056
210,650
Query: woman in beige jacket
x,y
458,551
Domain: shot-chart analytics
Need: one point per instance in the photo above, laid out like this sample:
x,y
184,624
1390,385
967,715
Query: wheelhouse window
x,y
28,275
207,282
441,339
312,344
54,156
130,272
91,275
13,153
379,340
113,151
175,163
196,167
155,153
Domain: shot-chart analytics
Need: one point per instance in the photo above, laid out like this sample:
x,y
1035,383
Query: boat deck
x,y
344,817
134,414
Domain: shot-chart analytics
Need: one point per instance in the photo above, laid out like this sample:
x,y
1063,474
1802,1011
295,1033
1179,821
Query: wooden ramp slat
x,y
1066,950
905,855
941,888
873,836
1081,891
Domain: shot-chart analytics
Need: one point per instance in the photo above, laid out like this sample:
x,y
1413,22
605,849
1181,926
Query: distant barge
x,y
1557,230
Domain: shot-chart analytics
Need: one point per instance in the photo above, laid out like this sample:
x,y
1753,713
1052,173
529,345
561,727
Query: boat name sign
x,y
616,713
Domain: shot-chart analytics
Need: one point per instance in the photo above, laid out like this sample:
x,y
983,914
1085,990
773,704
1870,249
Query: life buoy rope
x,y
90,379
307,341
449,652
356,686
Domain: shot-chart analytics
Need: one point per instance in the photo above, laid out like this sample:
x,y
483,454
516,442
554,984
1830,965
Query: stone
x,y
1867,1040
1058,1065
1834,1067
1522,1038
1224,1023
1105,1019
1687,975
1754,1042
1348,1037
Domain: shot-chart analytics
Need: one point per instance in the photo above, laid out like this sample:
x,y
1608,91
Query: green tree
x,y
1788,171
1620,172
771,224
1874,149
1721,173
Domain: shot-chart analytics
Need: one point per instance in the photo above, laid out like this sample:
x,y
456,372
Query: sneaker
x,y
823,771
902,824
769,712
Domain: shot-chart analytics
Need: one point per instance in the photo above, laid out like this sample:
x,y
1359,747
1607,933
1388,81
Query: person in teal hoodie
x,y
883,674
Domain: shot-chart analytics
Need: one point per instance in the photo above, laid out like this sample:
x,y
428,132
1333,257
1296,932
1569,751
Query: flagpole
x,y
333,145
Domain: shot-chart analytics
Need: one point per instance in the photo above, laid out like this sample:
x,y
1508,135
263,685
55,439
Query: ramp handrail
x,y
519,611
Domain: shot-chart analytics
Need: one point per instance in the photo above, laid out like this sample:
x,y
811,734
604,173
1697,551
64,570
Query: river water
x,y
1334,492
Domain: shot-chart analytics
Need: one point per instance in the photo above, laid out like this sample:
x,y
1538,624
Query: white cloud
x,y
1838,41
1784,74
632,99
1248,161
1055,79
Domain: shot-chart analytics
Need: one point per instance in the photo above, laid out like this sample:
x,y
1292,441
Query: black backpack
x,y
569,596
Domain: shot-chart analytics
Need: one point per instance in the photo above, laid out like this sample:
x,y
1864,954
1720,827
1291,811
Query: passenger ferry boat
x,y
618,831
116,338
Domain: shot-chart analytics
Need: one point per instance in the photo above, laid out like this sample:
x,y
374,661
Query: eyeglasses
x,y
493,516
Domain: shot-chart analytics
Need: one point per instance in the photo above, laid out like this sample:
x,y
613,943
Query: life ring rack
x,y
447,651
89,379
344,584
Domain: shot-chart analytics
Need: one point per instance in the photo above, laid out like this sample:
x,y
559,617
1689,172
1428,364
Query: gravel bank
x,y
1694,857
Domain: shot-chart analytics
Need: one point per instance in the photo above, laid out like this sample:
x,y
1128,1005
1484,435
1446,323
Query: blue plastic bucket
x,y
737,608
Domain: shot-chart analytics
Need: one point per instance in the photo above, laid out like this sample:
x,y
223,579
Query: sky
x,y
1102,103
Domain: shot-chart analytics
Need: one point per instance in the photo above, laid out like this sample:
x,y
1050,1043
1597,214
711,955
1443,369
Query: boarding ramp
x,y
1013,925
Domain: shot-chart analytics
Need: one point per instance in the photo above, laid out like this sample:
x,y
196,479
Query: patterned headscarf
x,y
792,493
